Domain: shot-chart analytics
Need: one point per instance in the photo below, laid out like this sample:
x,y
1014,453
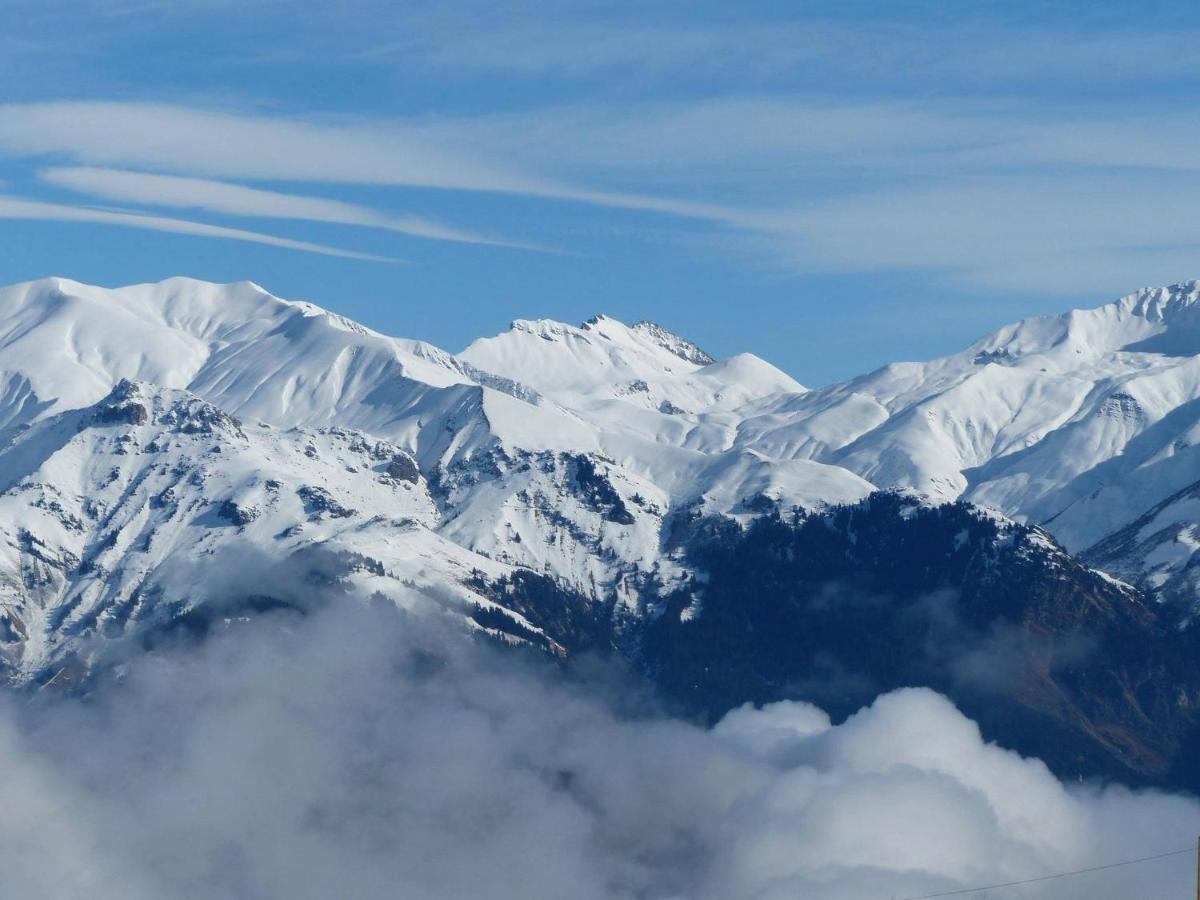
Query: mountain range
x,y
1015,524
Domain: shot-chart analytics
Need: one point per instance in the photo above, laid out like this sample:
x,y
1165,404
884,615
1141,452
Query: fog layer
x,y
356,752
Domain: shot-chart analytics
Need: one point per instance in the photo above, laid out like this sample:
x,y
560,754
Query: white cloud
x,y
254,147
191,141
828,144
1068,234
15,208
238,200
353,752
744,132
975,194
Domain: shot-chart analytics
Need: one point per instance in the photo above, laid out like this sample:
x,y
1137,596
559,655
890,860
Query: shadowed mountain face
x,y
605,488
1048,655
1157,551
1052,658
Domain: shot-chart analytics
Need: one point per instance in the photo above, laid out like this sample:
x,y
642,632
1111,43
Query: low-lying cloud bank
x,y
359,753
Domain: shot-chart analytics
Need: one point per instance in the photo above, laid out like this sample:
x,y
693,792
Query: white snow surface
x,y
550,447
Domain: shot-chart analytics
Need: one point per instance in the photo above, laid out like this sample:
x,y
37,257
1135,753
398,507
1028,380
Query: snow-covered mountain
x,y
564,485
179,456
1079,422
148,429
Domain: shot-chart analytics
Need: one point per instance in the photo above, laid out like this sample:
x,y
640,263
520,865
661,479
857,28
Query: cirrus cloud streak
x,y
16,208
238,200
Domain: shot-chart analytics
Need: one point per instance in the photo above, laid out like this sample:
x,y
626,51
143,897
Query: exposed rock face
x,y
681,347
122,406
403,468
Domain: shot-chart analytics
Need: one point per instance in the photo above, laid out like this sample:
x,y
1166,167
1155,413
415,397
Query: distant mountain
x,y
182,454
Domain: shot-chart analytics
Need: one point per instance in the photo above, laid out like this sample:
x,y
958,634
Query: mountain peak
x,y
674,343
1158,320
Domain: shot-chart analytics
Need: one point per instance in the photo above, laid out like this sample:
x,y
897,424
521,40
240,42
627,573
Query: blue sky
x,y
830,185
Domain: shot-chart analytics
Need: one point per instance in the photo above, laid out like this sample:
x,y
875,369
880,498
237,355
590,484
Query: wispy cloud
x,y
16,208
447,156
564,152
749,139
972,53
1035,233
238,200
985,195
206,142
973,193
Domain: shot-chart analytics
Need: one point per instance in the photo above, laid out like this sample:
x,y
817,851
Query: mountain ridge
x,y
611,488
972,424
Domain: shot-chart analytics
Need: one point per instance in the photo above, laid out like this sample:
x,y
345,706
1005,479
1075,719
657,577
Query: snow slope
x,y
127,513
112,496
560,450
1079,422
287,364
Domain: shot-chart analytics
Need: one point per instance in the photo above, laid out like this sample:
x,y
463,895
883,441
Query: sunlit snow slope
x,y
560,450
